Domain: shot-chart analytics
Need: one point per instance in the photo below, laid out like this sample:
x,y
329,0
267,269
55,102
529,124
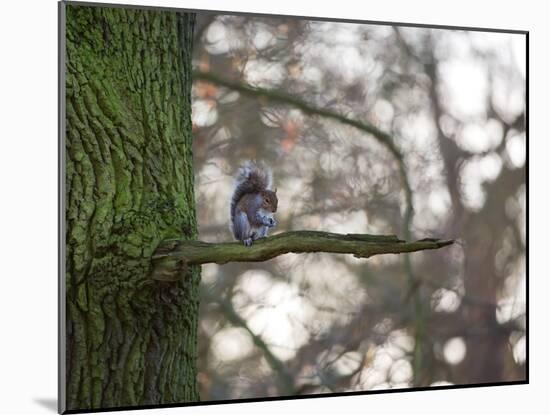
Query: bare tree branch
x,y
382,137
286,382
173,256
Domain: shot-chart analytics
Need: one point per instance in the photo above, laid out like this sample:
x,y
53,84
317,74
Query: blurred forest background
x,y
454,104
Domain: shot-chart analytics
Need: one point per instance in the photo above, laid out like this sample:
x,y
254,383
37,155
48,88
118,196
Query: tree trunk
x,y
129,185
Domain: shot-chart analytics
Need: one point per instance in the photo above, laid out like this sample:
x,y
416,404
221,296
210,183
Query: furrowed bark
x,y
129,181
174,255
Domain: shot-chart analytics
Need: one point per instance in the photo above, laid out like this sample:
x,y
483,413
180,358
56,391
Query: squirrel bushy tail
x,y
251,178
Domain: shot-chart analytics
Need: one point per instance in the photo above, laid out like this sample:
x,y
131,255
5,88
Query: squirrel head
x,y
269,200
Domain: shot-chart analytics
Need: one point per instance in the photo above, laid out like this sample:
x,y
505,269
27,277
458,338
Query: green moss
x,y
82,297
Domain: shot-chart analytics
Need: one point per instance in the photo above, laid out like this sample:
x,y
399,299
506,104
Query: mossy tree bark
x,y
129,185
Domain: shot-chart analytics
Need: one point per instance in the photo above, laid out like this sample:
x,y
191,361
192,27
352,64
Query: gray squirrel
x,y
253,203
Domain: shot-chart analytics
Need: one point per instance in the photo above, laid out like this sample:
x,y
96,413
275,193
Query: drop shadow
x,y
48,403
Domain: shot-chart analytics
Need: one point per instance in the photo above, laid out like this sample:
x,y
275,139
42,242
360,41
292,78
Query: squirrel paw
x,y
269,221
247,242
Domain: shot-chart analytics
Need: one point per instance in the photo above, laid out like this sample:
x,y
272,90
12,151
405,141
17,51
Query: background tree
x,y
454,102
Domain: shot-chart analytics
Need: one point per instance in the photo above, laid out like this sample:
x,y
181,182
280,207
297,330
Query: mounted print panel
x,y
258,207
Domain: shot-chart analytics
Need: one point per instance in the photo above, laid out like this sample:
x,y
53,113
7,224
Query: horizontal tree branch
x,y
173,256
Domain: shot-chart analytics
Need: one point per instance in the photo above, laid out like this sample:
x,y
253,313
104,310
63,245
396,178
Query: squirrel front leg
x,y
261,232
266,220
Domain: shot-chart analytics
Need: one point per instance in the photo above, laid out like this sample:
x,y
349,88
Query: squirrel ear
x,y
275,191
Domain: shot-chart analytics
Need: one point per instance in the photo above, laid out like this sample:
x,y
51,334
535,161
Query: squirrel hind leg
x,y
241,227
